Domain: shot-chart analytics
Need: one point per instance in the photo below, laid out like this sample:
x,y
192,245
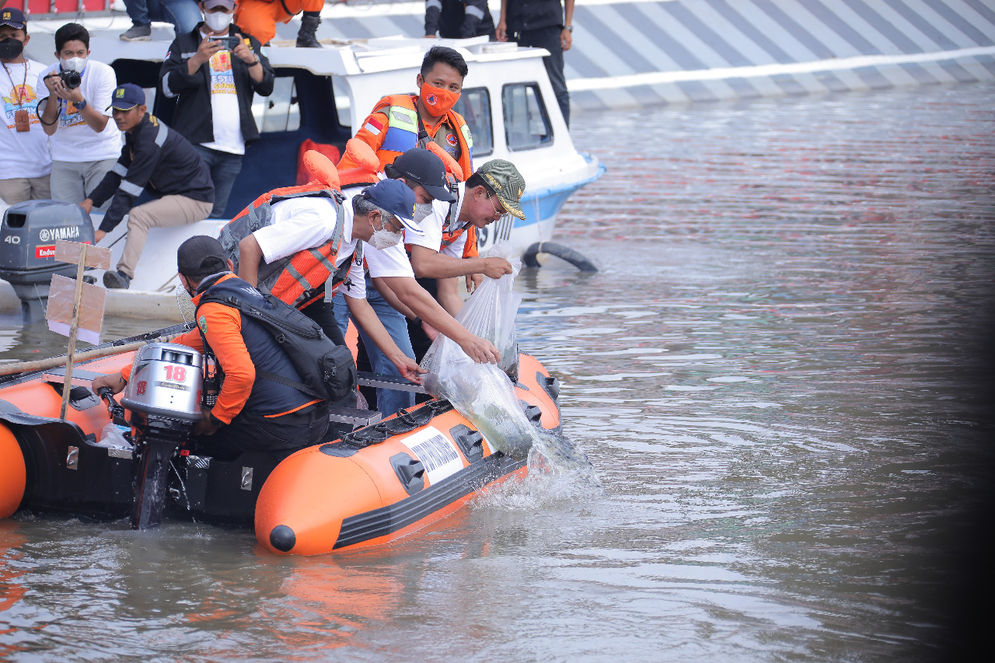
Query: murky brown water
x,y
781,373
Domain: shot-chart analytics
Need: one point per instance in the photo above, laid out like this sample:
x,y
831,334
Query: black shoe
x,y
306,35
137,33
116,279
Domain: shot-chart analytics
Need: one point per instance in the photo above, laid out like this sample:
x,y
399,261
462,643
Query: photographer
x,y
84,143
214,71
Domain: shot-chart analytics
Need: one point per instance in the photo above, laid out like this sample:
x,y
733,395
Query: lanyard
x,y
20,92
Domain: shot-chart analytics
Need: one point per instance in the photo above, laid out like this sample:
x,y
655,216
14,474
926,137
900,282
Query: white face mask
x,y
217,21
74,64
383,238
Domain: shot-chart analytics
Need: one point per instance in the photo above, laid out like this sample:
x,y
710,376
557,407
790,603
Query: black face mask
x,y
10,48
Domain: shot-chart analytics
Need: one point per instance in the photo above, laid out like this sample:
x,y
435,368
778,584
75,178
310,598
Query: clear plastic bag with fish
x,y
483,393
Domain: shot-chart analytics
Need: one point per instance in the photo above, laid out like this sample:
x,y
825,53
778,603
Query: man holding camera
x,y
75,114
214,70
25,163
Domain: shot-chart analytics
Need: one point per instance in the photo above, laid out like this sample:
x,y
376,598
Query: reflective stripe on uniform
x,y
475,12
160,137
399,116
119,169
131,189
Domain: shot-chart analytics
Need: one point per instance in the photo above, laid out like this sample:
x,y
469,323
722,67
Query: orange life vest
x,y
402,133
298,279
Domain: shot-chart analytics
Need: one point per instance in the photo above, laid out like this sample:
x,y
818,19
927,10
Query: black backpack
x,y
327,369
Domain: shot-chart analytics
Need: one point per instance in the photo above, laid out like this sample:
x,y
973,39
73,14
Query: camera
x,y
71,79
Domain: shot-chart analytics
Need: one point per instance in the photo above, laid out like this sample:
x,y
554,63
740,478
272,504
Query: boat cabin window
x,y
526,123
279,111
475,106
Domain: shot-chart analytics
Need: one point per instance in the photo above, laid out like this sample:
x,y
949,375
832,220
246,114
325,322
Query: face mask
x,y
383,238
10,48
74,64
421,211
437,100
217,21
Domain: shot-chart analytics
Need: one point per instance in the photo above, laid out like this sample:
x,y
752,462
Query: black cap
x,y
201,255
13,17
420,166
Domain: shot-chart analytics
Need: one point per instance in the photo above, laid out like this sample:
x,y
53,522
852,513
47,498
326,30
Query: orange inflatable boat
x,y
375,484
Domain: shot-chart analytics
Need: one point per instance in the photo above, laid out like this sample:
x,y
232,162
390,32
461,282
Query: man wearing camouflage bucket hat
x,y
495,189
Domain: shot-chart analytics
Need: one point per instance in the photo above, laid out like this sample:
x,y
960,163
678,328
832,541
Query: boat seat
x,y
353,416
364,379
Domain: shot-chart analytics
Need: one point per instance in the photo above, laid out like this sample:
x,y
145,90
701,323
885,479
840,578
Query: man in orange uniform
x,y
259,19
252,411
402,121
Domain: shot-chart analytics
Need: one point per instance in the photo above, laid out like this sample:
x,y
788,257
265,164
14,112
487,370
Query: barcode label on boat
x,y
436,452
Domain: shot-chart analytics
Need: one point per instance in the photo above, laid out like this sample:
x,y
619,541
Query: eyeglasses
x,y
499,210
392,222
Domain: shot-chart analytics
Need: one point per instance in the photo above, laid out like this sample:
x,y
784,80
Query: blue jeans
x,y
389,401
224,167
183,14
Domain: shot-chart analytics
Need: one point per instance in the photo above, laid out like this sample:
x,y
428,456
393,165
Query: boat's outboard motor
x,y
27,244
164,397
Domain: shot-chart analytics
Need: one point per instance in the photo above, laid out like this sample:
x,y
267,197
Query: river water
x,y
781,374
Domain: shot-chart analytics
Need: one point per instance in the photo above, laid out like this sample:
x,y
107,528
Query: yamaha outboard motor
x,y
164,397
27,244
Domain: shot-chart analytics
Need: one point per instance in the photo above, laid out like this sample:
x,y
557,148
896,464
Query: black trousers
x,y
549,38
255,432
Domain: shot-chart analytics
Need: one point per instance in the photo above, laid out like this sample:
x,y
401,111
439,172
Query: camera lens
x,y
72,79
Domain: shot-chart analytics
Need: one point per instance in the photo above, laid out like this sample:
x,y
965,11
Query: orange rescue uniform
x,y
395,127
259,17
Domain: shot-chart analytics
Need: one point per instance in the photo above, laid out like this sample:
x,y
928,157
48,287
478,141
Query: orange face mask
x,y
437,100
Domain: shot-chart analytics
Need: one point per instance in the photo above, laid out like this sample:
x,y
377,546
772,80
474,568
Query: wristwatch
x,y
568,28
80,105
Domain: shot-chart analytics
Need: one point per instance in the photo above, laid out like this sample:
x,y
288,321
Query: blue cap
x,y
397,198
13,17
127,96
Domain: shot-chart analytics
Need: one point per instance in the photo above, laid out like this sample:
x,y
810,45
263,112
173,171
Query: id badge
x,y
21,121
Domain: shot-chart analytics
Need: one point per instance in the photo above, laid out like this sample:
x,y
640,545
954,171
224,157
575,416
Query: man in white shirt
x,y
372,216
85,144
25,164
494,189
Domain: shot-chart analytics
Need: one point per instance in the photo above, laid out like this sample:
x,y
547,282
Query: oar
x,y
11,371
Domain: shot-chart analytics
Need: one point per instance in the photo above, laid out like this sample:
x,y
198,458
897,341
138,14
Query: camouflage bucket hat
x,y
505,180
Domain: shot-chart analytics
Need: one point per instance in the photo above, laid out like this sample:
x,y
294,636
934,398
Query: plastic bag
x,y
483,393
113,437
491,311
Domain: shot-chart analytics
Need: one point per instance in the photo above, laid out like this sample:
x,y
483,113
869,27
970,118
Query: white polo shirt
x,y
433,224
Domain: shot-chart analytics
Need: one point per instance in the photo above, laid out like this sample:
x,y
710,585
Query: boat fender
x,y
13,473
562,252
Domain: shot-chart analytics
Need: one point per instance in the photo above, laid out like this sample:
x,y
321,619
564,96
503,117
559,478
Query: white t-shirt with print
x,y
74,141
25,154
433,224
224,105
